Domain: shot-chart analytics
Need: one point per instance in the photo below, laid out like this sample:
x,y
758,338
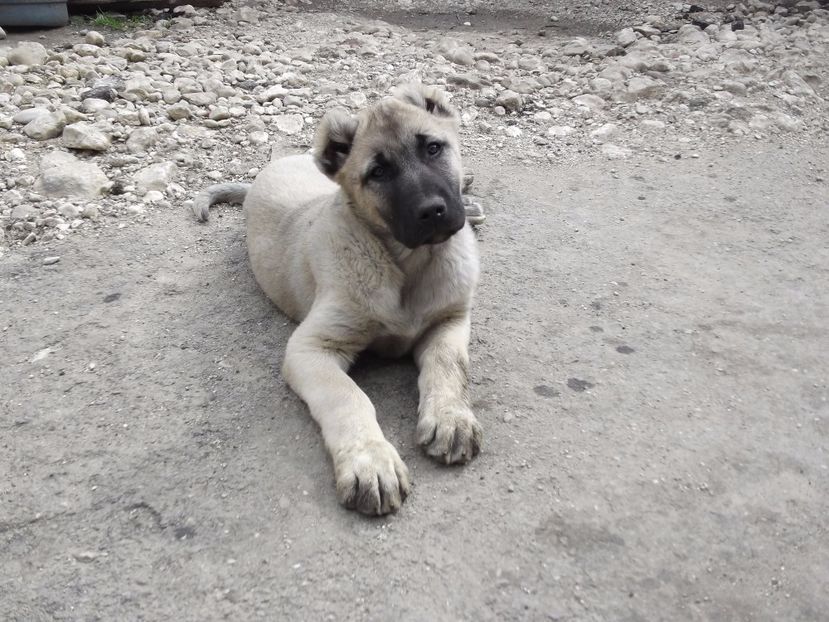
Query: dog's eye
x,y
434,148
378,172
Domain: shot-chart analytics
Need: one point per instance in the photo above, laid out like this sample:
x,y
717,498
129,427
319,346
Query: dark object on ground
x,y
44,13
127,6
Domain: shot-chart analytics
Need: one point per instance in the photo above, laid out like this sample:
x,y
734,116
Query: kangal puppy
x,y
365,244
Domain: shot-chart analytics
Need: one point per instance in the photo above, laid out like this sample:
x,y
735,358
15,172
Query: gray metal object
x,y
33,13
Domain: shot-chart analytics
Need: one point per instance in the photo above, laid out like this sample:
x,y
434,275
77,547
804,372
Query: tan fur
x,y
321,251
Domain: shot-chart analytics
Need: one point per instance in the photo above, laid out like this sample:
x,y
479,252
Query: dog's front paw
x,y
371,477
451,435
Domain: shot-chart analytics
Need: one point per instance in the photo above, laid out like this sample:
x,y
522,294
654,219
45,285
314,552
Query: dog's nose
x,y
432,210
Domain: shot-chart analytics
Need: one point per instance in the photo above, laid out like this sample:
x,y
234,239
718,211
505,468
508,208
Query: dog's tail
x,y
220,193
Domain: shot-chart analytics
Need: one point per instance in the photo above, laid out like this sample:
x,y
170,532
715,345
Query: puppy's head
x,y
399,164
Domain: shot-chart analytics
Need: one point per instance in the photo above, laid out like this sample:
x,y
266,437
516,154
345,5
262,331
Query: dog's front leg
x,y
446,427
370,475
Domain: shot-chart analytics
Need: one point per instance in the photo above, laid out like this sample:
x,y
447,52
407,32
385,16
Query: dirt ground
x,y
648,360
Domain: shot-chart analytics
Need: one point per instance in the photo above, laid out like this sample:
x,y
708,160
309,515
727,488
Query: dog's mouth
x,y
439,238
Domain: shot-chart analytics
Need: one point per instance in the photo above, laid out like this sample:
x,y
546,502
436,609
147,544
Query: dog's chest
x,y
433,290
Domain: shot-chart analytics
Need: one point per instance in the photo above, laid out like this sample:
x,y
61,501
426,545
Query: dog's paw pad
x,y
371,478
450,436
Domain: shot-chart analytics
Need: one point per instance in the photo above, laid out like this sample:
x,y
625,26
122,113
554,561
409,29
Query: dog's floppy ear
x,y
333,140
430,98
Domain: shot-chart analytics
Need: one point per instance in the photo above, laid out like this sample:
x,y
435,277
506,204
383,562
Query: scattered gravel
x,y
138,120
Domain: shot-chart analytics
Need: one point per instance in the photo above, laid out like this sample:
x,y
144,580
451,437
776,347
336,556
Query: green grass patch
x,y
115,21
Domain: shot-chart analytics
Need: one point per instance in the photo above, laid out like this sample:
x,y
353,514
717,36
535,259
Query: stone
x,y
155,177
513,132
626,37
603,133
787,123
461,56
179,111
593,102
690,34
84,49
153,196
271,93
576,47
642,87
69,211
29,114
258,137
509,100
559,131
93,37
137,89
24,212
289,123
85,136
201,99
2,34
27,53
651,125
45,126
93,105
64,175
90,211
50,261
219,113
104,92
615,152
356,99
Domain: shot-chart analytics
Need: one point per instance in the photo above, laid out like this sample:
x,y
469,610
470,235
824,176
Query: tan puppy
x,y
366,245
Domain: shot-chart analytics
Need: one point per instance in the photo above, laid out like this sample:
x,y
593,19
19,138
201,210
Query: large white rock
x,y
45,126
626,37
593,102
85,136
289,123
64,175
155,177
28,53
141,139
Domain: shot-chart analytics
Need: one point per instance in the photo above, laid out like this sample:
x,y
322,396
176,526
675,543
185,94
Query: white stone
x,y
93,105
45,126
219,113
626,37
93,37
258,137
271,93
690,34
642,87
85,136
615,152
356,99
513,131
509,100
289,123
651,125
593,102
64,175
29,114
27,53
153,196
179,111
603,133
155,177
559,131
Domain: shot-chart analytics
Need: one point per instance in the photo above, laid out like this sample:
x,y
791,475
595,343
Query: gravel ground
x,y
649,340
